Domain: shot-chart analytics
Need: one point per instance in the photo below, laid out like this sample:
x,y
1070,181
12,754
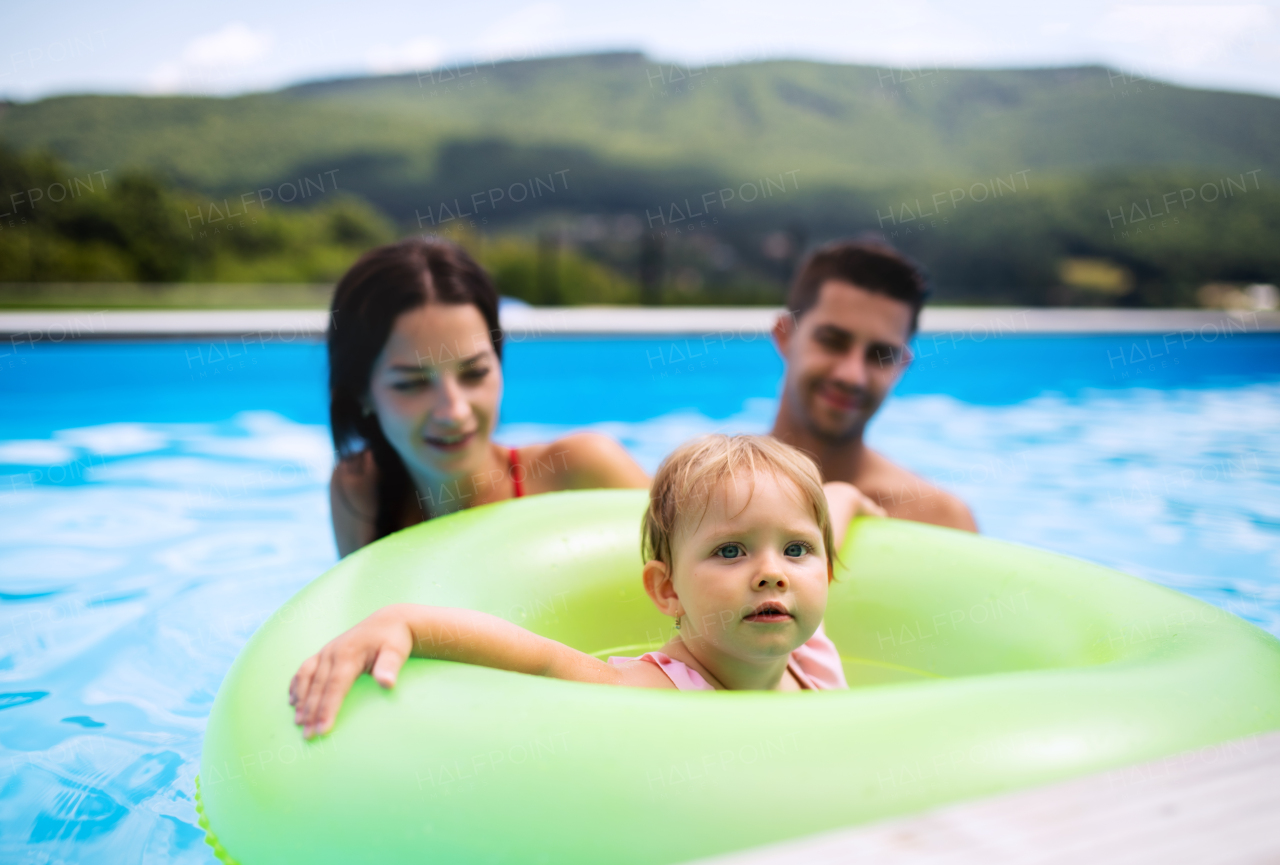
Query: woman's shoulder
x,y
580,461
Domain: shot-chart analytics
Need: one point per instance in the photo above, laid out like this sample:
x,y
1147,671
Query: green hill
x,y
631,136
852,126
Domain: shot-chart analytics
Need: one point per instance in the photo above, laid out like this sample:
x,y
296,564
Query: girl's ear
x,y
657,582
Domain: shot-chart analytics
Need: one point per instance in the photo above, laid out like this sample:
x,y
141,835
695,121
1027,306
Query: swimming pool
x,y
159,500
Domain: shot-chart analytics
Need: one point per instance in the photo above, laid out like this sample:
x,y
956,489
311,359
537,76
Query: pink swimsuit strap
x,y
684,677
815,665
517,479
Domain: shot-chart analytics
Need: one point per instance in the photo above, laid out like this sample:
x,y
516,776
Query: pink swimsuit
x,y
815,665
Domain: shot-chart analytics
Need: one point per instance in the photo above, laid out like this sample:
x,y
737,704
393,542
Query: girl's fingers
x,y
323,680
300,685
299,680
342,675
387,666
318,683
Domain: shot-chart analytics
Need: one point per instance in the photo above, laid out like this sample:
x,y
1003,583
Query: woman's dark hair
x,y
385,283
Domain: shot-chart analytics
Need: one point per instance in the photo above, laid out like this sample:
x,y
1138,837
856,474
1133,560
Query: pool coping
x,y
1184,807
976,323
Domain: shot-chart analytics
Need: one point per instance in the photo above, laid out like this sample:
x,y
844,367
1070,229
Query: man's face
x,y
843,357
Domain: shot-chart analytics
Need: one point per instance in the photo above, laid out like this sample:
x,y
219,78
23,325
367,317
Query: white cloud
x,y
233,45
1196,42
1186,36
417,54
529,31
210,61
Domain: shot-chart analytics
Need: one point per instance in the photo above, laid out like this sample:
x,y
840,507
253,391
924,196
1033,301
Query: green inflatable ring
x,y
976,667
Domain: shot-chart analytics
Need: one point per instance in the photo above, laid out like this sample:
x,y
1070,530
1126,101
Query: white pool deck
x,y
1215,805
955,323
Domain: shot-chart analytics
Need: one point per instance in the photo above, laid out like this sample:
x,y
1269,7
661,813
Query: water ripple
x,y
137,557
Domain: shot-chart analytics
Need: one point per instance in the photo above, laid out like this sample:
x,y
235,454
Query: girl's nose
x,y
770,575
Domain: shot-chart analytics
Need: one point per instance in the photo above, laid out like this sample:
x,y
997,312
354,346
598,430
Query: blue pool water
x,y
159,500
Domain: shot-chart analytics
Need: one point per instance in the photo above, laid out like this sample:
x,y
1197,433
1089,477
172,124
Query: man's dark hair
x,y
870,265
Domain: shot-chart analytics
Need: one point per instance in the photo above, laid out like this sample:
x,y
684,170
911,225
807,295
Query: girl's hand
x,y
845,501
378,645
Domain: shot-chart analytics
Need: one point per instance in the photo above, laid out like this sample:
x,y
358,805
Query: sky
x,y
130,46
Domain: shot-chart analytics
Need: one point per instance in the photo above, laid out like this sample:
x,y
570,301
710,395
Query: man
x,y
853,308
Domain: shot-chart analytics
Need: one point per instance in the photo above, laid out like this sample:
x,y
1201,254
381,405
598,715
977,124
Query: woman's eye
x,y
731,551
412,384
795,550
475,374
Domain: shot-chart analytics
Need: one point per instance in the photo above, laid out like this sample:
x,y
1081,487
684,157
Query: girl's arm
x,y
380,644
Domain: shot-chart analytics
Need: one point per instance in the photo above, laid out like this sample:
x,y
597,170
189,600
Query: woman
x,y
415,384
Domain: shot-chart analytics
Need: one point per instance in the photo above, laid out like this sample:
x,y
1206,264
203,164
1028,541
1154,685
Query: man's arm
x,y
923,503
906,496
955,514
844,502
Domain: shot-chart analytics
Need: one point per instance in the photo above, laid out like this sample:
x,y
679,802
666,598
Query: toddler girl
x,y
739,550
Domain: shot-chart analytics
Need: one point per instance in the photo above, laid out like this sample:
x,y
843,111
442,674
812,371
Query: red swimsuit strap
x,y
517,479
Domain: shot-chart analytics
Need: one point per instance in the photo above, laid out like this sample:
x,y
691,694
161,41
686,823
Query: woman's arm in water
x,y
353,502
381,643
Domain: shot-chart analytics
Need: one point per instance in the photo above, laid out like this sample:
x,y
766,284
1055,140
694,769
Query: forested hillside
x,y
1077,185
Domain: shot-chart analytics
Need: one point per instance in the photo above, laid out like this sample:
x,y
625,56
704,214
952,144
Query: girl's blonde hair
x,y
686,479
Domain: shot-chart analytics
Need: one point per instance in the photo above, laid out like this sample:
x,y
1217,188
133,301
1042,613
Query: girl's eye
x,y
796,550
475,374
411,384
731,551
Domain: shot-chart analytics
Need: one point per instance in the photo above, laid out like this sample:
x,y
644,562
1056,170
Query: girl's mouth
x,y
770,612
449,444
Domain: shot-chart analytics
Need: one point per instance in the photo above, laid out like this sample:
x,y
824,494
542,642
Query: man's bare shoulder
x,y
907,496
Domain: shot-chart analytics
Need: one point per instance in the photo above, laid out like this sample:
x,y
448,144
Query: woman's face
x,y
436,388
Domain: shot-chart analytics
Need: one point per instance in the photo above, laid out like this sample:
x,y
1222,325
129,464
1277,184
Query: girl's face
x,y
751,577
436,388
